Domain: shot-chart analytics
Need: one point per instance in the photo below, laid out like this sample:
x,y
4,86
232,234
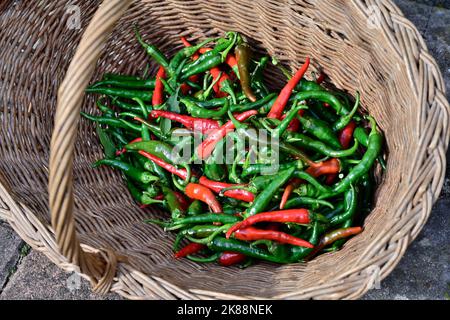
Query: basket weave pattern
x,y
43,140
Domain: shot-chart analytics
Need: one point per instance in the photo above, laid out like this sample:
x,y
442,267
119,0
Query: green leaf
x,y
108,145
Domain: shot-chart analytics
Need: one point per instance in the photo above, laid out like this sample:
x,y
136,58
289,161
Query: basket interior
x,y
336,36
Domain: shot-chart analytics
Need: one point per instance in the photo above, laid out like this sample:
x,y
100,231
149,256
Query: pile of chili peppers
x,y
238,211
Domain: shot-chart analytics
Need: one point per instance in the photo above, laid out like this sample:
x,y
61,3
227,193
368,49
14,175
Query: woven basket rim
x,y
42,237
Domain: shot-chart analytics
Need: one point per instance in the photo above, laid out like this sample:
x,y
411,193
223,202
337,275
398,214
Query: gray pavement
x,y
423,273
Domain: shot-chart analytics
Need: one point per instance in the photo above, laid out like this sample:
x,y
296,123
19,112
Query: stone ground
x,y
423,273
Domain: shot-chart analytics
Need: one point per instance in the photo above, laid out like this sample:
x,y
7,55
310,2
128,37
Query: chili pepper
x,y
372,152
229,258
210,59
251,233
294,125
300,216
187,52
323,96
243,56
182,173
321,130
122,93
127,169
104,109
267,100
298,253
156,130
288,191
195,208
230,60
184,203
211,258
283,146
333,236
195,124
321,78
286,122
301,201
331,166
313,181
223,244
129,106
303,141
217,187
191,248
202,193
173,203
107,143
141,197
351,205
205,149
125,83
346,134
363,138
117,123
198,219
345,120
119,152
209,104
263,199
282,100
200,112
154,52
158,92
306,85
264,169
120,77
157,148
339,243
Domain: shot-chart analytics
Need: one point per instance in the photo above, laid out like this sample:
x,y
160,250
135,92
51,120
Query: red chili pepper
x,y
202,193
251,233
182,173
321,78
293,183
331,178
346,135
285,94
331,166
195,124
119,152
228,258
300,216
215,72
205,149
184,203
191,248
158,92
217,186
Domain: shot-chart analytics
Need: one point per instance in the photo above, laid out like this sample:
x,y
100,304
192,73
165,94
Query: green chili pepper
x,y
163,175
299,253
195,208
140,196
211,258
199,219
301,201
118,123
345,120
173,203
323,96
264,169
222,244
282,127
321,130
107,143
303,141
157,148
125,83
144,95
373,150
263,199
351,205
363,138
154,52
186,52
127,169
120,77
199,112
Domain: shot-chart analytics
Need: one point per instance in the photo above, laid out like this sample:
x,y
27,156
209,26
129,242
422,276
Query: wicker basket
x,y
95,228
